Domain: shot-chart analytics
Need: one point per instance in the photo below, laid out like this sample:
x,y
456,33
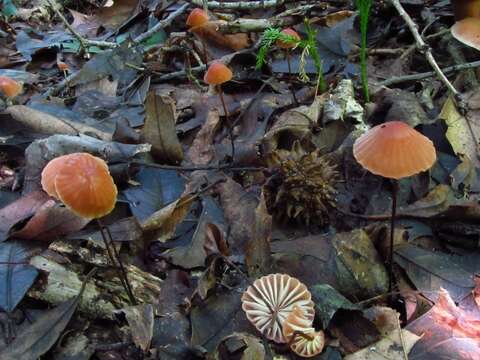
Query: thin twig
x,y
196,168
240,4
402,340
84,43
423,47
425,75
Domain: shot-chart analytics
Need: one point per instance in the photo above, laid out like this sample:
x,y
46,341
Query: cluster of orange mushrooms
x,y
281,308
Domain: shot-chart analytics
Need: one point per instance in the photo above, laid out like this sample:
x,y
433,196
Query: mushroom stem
x,y
287,51
227,120
392,230
121,272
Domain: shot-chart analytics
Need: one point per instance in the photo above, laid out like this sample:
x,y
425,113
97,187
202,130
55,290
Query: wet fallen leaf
x,y
39,338
16,275
430,271
159,129
140,319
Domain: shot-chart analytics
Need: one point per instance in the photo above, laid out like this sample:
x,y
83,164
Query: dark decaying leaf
x,y
194,255
140,320
20,210
217,317
50,221
16,275
430,271
157,188
37,339
215,242
159,129
257,254
327,301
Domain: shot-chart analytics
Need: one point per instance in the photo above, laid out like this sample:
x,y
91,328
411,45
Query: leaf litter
x,y
210,200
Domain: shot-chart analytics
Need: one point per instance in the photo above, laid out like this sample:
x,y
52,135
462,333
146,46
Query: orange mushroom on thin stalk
x,y
9,87
394,150
303,339
467,31
270,299
196,20
217,74
83,183
287,46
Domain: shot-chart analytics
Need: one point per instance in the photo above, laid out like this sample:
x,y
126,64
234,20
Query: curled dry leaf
x,y
270,299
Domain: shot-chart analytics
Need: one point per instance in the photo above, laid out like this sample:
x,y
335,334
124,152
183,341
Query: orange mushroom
x,y
9,87
302,337
196,18
394,150
287,46
82,182
270,299
467,31
217,74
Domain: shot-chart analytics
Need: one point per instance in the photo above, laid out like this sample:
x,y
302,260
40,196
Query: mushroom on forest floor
x,y
467,31
287,46
270,299
394,150
10,87
83,183
217,74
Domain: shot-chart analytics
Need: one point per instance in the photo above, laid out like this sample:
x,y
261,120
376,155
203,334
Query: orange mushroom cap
x,y
9,87
394,150
82,182
217,73
298,331
196,18
269,300
467,31
288,45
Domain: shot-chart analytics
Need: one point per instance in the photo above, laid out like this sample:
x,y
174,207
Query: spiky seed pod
x,y
302,187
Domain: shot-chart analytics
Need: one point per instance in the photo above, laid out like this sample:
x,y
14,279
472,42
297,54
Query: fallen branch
x,y
423,47
240,5
428,74
163,23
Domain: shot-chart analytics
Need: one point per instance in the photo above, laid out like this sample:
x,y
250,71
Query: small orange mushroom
x,y
196,18
82,182
394,150
465,8
217,73
302,337
270,299
467,31
9,87
288,45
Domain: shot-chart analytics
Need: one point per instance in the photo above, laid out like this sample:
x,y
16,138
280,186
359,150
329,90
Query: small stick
x,y
122,274
227,120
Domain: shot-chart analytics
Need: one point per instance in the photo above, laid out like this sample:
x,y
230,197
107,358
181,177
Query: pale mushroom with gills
x,y
83,183
303,339
270,299
394,150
